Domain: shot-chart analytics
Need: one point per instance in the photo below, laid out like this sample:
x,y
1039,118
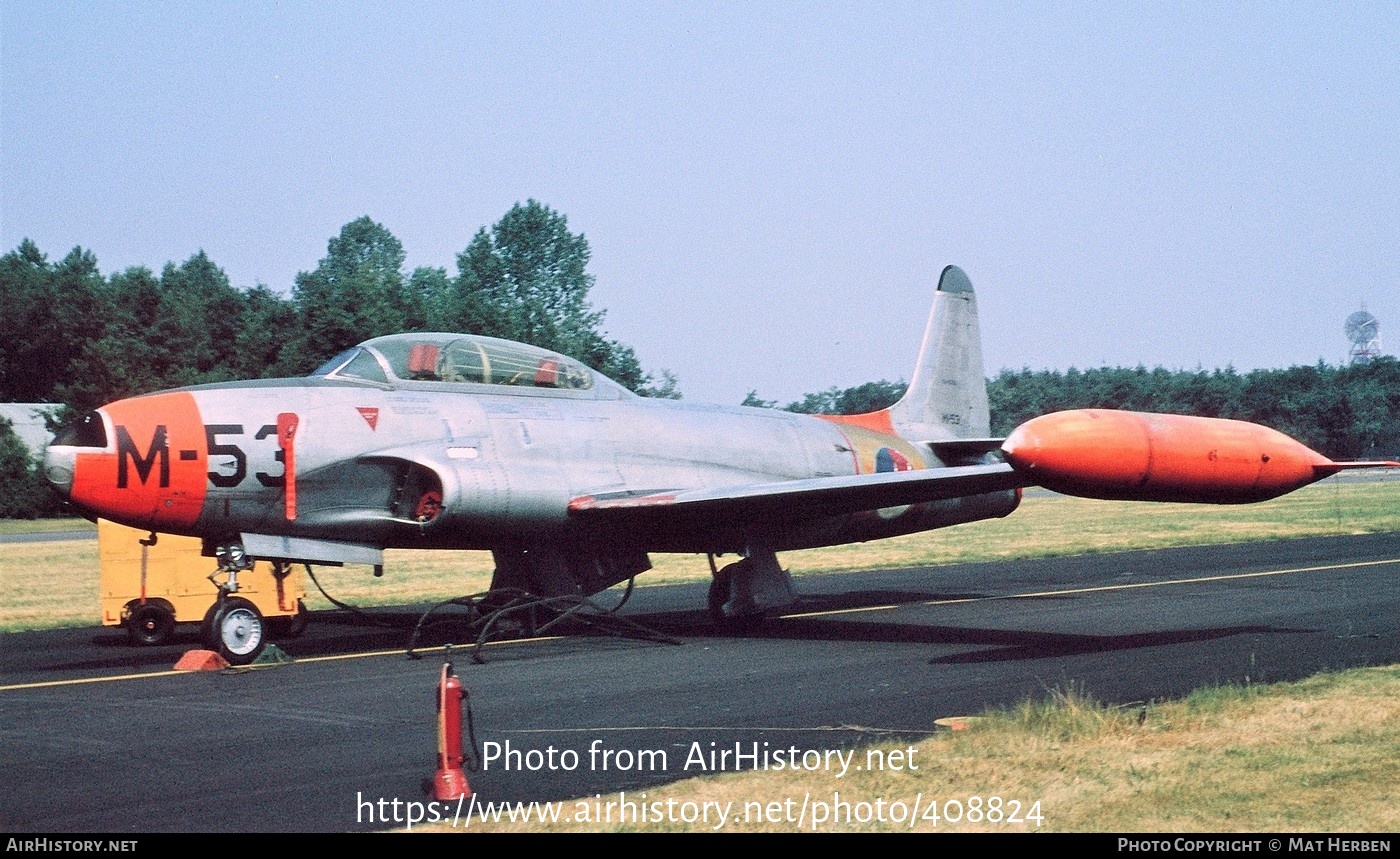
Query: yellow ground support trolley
x,y
149,587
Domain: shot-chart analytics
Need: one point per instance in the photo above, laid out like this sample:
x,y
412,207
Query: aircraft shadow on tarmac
x,y
999,645
1020,645
342,632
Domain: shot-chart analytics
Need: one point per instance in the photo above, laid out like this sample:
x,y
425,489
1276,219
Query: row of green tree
x,y
70,335
1344,412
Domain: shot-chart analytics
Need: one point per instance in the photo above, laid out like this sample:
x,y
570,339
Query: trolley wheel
x,y
237,631
291,626
150,624
206,626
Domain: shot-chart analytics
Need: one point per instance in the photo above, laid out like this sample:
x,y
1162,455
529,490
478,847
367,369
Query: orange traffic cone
x,y
450,780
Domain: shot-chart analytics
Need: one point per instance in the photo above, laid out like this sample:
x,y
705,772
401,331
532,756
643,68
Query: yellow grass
x,y
38,526
48,585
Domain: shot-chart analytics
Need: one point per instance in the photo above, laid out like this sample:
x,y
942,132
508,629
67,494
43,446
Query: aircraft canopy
x,y
458,358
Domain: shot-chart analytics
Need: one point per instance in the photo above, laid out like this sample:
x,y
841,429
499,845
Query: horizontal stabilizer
x,y
962,448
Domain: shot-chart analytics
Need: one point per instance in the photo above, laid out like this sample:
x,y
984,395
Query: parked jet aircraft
x,y
453,441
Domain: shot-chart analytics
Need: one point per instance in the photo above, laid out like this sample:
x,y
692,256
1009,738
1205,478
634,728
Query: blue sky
x,y
769,189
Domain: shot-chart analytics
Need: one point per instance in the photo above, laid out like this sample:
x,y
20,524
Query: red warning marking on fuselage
x,y
370,414
286,437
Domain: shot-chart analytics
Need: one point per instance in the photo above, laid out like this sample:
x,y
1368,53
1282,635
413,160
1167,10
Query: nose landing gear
x,y
233,627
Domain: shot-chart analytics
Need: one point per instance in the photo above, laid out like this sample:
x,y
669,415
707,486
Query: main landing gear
x,y
749,588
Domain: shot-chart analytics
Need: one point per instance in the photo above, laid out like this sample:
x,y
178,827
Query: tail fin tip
x,y
954,279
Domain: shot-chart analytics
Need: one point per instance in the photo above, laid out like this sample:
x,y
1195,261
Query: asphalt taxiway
x,y
99,736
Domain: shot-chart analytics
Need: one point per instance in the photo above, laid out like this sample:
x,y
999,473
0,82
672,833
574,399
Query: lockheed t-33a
x,y
465,442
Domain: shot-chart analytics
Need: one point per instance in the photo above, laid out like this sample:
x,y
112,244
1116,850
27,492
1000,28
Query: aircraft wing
x,y
798,500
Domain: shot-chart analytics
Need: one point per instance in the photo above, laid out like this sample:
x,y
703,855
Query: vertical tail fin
x,y
947,395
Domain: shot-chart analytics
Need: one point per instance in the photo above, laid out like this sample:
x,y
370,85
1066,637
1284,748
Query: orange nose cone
x,y
152,473
1103,453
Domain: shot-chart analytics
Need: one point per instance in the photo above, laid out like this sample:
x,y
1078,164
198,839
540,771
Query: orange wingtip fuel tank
x,y
1140,456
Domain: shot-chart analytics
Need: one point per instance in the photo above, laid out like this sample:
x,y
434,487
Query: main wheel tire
x,y
238,632
720,591
150,624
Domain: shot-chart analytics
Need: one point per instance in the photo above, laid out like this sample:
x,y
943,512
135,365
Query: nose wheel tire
x,y
236,630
